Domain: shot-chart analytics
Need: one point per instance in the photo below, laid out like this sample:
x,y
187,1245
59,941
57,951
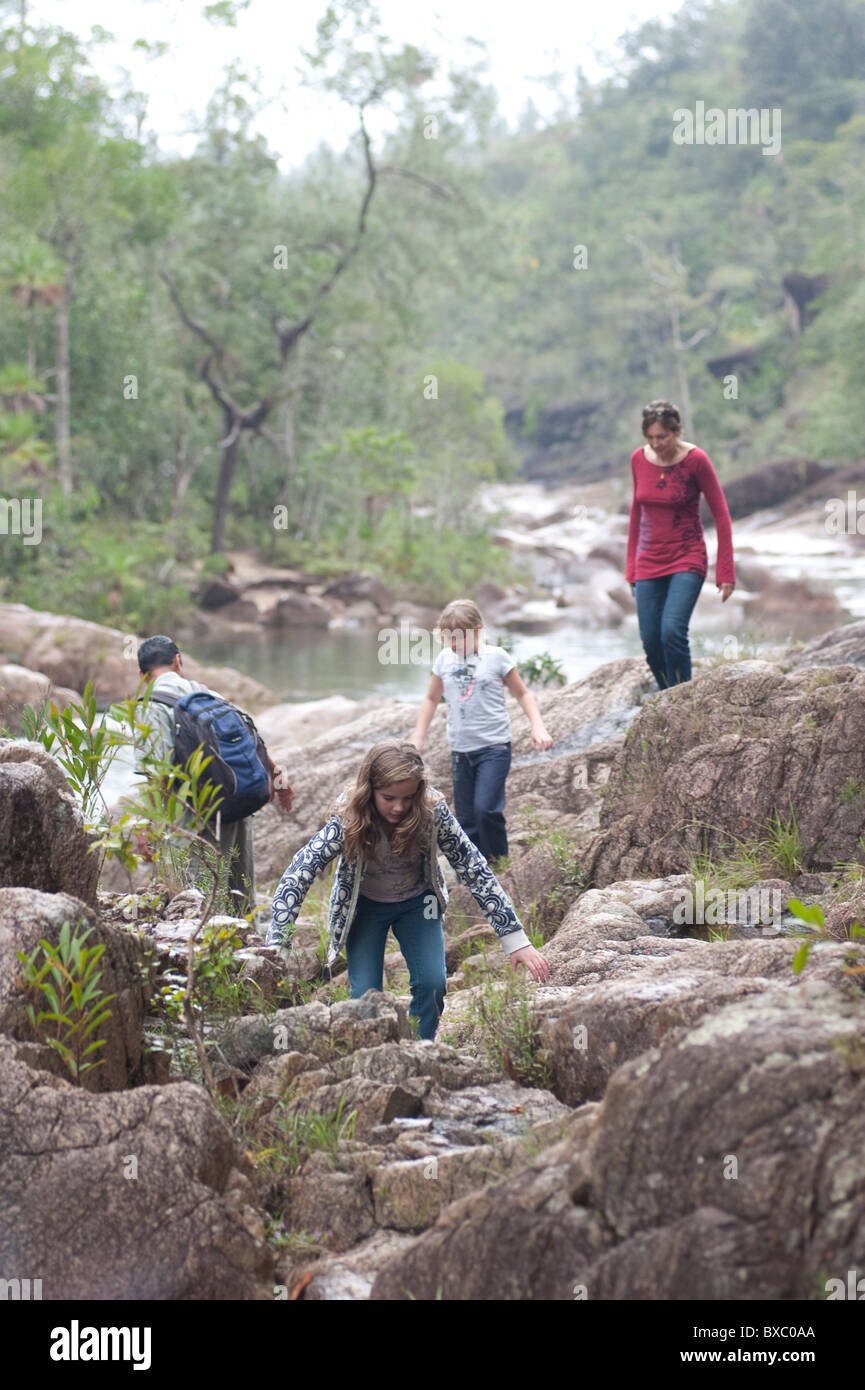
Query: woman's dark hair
x,y
662,412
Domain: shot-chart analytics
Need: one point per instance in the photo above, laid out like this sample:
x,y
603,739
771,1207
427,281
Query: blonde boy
x,y
473,676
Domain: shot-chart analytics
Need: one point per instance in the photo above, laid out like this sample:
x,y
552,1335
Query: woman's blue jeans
x,y
479,796
421,939
664,608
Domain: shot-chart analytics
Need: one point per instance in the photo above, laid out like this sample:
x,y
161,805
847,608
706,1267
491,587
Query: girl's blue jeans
x,y
479,796
664,608
421,939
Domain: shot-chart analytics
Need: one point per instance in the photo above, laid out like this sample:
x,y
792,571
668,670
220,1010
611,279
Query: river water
x,y
305,665
311,666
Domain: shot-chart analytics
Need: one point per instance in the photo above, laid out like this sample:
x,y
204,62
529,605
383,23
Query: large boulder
x,y
73,651
524,1238
299,610
42,839
20,687
315,1029
758,1162
587,721
420,1126
26,918
711,762
616,990
794,606
769,486
361,585
842,646
143,1195
724,1163
293,724
216,593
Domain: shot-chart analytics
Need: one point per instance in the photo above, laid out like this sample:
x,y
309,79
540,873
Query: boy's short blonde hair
x,y
462,615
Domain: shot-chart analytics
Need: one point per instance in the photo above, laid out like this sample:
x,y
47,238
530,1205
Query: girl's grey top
x,y
391,878
475,694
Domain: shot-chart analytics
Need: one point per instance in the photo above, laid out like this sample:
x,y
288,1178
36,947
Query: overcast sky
x,y
524,42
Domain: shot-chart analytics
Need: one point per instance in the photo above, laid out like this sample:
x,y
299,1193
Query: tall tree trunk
x,y
64,452
184,468
227,465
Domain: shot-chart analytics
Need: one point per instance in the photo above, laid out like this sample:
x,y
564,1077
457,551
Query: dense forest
x,y
203,354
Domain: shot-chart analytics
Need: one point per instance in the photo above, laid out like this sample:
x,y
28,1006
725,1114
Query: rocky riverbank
x,y
798,574
676,1115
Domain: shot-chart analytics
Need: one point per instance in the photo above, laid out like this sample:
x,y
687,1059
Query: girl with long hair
x,y
387,827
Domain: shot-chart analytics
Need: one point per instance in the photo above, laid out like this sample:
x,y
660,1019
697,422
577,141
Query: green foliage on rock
x,y
67,977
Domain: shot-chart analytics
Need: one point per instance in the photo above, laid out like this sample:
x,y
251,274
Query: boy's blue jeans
x,y
421,939
479,796
664,608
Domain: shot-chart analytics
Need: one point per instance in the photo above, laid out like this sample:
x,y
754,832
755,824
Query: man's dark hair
x,y
156,651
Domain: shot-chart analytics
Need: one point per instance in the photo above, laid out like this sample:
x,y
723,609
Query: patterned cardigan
x,y
447,835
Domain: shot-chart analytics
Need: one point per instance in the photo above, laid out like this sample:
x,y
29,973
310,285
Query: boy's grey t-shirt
x,y
475,694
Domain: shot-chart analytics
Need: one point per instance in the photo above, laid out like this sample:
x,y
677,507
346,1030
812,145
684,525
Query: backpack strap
x,y
165,699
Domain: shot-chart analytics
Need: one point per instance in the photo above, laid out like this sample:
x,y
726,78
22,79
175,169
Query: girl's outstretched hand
x,y
540,738
537,965
726,590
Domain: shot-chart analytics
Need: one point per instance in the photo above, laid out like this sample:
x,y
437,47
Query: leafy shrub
x,y
68,979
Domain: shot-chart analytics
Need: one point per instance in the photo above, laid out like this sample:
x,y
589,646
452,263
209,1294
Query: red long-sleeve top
x,y
665,534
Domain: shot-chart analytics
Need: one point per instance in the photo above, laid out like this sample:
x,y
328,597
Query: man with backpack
x,y
182,715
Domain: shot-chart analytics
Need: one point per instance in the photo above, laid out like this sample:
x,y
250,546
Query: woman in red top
x,y
667,561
